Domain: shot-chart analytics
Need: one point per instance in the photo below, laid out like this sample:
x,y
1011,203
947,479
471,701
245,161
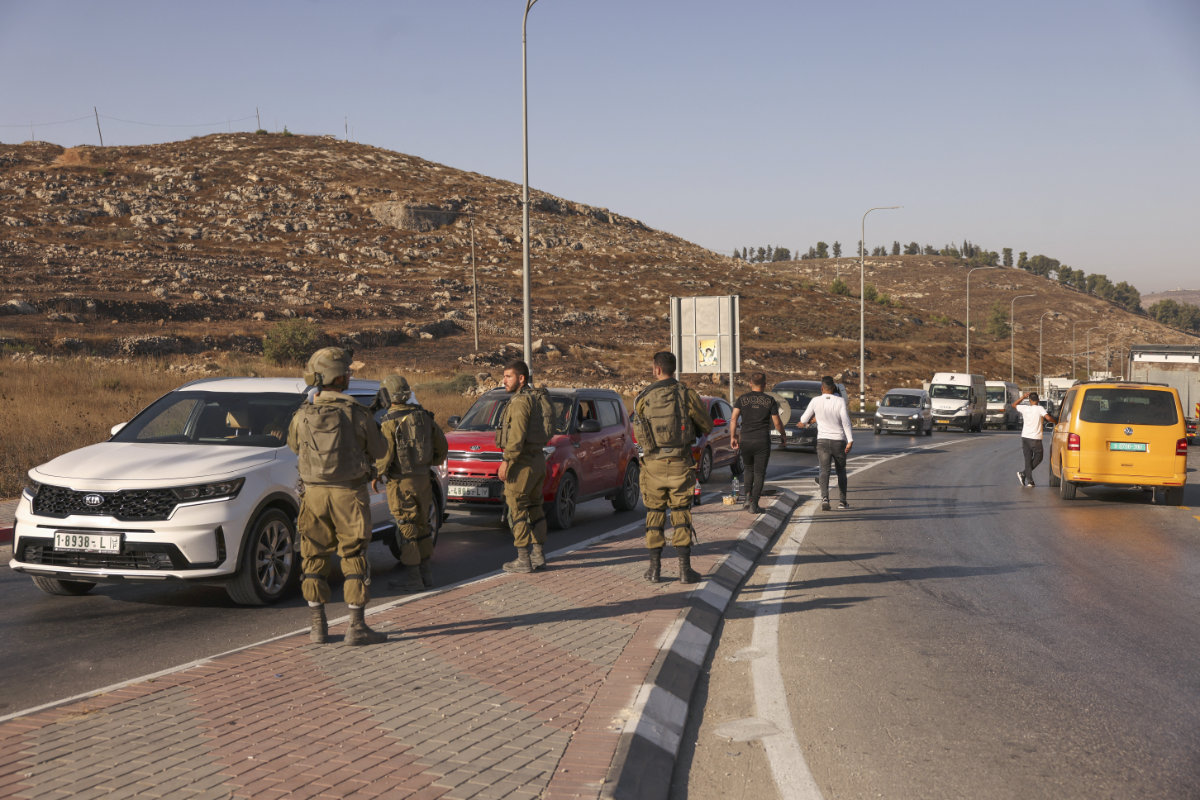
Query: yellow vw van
x,y
1119,433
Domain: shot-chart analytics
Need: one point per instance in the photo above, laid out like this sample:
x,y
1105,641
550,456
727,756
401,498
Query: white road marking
x,y
793,780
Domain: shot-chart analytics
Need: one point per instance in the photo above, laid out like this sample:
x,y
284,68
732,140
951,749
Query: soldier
x,y
527,424
414,444
337,442
669,416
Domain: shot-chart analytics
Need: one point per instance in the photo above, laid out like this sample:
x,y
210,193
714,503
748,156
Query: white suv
x,y
199,486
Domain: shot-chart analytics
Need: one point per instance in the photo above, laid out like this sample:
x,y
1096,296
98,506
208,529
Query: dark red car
x,y
715,449
591,455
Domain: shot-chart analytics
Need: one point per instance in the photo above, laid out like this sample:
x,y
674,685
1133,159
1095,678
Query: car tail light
x,y
1073,441
1181,447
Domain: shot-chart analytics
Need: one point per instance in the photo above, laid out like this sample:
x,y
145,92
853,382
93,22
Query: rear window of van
x,y
1128,407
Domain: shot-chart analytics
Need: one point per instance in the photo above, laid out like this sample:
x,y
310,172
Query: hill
x,y
1189,296
190,248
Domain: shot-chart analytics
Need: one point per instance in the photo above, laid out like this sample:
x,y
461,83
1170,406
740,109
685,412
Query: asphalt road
x,y
956,635
57,647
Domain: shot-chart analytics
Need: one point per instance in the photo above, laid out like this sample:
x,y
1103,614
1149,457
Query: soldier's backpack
x,y
329,449
413,436
663,419
541,418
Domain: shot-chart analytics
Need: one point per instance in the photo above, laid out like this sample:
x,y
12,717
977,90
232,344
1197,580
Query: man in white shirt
x,y
1032,416
834,437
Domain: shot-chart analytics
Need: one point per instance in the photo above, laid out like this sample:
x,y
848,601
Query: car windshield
x,y
997,396
798,399
948,391
224,418
1128,407
486,413
901,401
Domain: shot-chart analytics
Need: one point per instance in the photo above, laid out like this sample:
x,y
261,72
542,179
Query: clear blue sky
x,y
1069,128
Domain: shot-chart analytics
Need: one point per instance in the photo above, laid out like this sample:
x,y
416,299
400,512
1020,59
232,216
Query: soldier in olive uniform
x,y
669,417
522,433
337,442
414,444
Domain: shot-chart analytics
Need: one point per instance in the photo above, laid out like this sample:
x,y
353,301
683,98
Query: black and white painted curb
x,y
646,755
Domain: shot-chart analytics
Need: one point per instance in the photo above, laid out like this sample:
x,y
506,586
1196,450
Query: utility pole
x,y
97,113
474,284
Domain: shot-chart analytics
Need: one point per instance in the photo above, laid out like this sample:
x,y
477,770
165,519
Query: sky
x,y
1067,128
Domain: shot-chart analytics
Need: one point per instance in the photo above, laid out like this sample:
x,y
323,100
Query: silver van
x,y
905,411
1000,412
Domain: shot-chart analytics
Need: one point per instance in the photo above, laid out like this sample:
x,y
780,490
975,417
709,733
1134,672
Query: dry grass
x,y
51,407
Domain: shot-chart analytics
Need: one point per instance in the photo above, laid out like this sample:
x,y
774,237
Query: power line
x,y
42,124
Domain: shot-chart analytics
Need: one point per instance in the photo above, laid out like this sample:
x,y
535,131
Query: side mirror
x,y
115,429
589,426
453,421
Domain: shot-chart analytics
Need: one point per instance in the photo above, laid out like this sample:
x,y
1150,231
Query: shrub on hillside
x,y
839,287
291,341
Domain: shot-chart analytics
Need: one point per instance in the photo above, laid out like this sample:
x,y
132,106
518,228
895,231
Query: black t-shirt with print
x,y
755,410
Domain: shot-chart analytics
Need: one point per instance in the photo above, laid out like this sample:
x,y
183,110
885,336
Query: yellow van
x,y
1119,433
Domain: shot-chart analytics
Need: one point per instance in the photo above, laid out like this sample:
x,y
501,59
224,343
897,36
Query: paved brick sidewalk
x,y
514,686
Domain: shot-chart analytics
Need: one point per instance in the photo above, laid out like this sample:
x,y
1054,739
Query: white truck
x,y
1053,390
1176,365
959,401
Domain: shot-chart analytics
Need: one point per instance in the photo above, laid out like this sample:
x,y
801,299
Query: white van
x,y
1000,412
959,401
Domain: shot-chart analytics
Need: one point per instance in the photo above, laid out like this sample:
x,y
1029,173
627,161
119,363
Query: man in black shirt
x,y
758,412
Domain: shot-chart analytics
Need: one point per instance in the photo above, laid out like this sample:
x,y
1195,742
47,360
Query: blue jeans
x,y
832,451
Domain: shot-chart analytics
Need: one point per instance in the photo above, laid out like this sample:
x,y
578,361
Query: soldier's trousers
x,y
667,483
409,499
335,519
523,494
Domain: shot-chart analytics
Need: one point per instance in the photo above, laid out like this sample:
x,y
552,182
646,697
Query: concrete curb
x,y
645,758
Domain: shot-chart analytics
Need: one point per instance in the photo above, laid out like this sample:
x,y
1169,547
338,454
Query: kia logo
x,y
475,447
93,500
1129,431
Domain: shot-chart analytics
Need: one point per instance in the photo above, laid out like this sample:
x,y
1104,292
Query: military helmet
x,y
326,364
396,387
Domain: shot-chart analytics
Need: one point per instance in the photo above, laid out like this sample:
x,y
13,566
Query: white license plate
x,y
87,542
467,491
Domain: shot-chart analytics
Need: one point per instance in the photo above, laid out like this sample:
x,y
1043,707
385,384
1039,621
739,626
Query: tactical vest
x,y
329,449
413,437
663,423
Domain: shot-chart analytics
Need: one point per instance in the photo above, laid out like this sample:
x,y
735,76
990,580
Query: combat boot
x,y
686,573
537,558
409,580
358,633
426,570
653,573
522,562
319,632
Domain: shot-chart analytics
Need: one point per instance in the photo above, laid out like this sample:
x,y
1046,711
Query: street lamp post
x,y
1041,377
1088,338
862,310
1012,335
973,269
527,327
1073,324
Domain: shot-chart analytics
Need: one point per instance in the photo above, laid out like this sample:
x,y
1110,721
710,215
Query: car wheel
x,y
61,587
704,468
631,490
929,430
561,513
1066,489
738,468
1053,480
876,431
1174,496
270,562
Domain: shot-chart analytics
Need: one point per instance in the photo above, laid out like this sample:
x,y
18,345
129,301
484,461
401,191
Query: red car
x,y
591,455
715,449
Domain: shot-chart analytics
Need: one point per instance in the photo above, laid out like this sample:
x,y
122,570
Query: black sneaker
x,y
843,505
825,504
1021,477
1030,483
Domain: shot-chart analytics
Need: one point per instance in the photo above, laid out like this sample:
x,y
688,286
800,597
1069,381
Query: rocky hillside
x,y
199,246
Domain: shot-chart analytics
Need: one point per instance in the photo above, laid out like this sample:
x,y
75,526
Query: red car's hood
x,y
472,441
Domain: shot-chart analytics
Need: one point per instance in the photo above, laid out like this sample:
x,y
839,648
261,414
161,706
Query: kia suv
x,y
200,486
592,454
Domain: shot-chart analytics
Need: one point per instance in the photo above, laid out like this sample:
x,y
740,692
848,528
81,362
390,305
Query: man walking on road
x,y
337,443
1032,416
668,416
834,438
758,412
525,427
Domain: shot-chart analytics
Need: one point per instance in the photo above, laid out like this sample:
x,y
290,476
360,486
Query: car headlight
x,y
548,451
221,490
878,415
30,490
